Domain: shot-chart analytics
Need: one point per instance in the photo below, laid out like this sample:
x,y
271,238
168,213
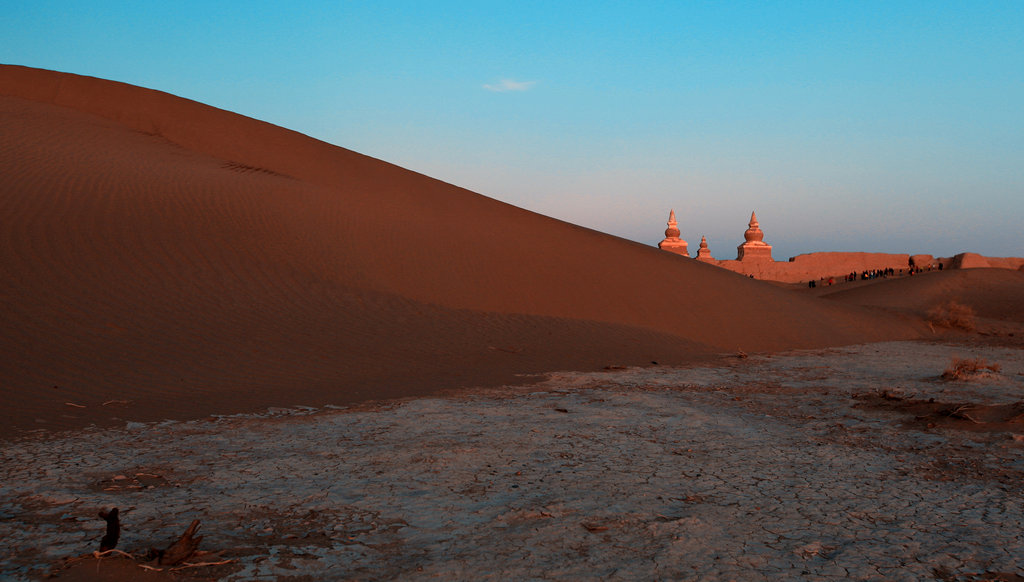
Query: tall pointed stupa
x,y
754,248
672,242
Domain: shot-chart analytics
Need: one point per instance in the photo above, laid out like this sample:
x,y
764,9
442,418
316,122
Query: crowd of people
x,y
870,274
875,274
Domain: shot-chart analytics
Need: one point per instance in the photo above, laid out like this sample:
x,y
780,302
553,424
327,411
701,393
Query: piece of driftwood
x,y
201,565
180,550
110,553
113,520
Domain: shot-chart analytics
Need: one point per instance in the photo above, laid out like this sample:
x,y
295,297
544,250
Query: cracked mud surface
x,y
766,468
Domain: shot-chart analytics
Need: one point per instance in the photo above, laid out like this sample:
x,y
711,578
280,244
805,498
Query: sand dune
x,y
162,258
992,293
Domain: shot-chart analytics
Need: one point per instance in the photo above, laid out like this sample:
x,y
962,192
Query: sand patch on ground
x,y
767,468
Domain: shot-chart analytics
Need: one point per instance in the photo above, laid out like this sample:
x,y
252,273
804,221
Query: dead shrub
x,y
952,314
962,369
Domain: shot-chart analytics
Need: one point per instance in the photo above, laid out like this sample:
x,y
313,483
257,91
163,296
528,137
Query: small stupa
x,y
672,242
754,249
703,252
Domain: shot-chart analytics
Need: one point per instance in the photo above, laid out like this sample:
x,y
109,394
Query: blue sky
x,y
875,126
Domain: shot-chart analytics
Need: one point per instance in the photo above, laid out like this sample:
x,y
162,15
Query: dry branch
x,y
201,564
182,549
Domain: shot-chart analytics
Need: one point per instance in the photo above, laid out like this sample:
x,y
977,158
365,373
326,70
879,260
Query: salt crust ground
x,y
761,469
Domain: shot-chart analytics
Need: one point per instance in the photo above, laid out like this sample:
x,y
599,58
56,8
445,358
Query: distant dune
x,y
993,293
163,258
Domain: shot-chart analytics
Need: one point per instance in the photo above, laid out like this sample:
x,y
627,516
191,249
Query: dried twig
x,y
970,418
959,413
182,549
122,402
106,553
201,564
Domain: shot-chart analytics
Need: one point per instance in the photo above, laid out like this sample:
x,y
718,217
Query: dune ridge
x,y
163,258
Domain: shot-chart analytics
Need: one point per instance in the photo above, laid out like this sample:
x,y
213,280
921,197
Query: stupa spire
x,y
703,252
672,242
673,227
753,233
754,248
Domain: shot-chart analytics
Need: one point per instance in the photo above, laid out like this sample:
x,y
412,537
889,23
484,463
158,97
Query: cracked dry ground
x,y
762,468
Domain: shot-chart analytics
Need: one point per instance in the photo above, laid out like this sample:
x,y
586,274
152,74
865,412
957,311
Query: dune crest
x,y
166,258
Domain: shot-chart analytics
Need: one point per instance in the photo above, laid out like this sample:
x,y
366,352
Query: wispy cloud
x,y
510,85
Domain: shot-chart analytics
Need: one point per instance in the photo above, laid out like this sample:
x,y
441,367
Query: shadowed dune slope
x,y
189,260
992,293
